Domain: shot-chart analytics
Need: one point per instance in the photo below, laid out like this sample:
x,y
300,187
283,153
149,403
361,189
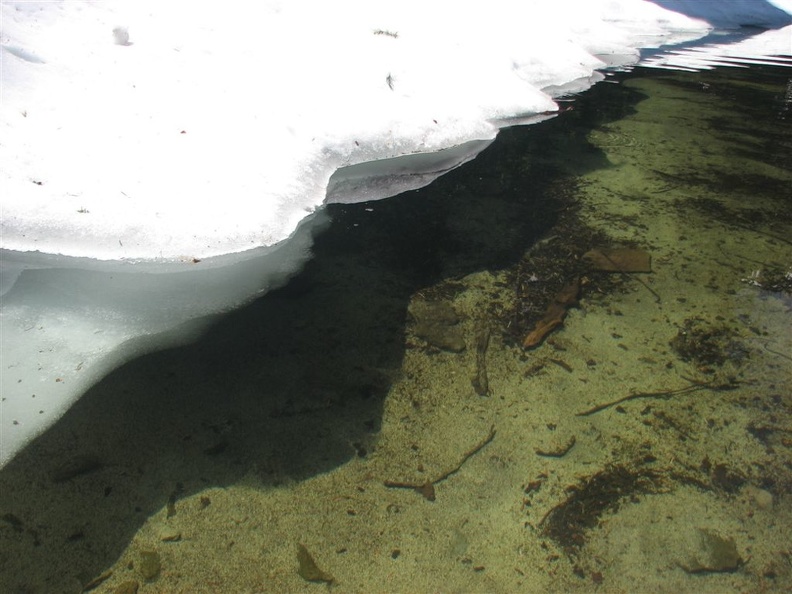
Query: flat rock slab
x,y
436,323
713,553
619,260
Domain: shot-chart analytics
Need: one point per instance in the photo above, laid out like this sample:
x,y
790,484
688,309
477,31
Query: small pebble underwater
x,y
564,366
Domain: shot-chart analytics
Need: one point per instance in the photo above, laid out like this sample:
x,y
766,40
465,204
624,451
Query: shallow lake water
x,y
455,396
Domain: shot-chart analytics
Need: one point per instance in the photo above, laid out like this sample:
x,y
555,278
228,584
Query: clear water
x,y
382,412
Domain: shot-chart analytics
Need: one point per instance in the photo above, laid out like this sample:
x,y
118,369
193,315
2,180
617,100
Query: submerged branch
x,y
426,489
663,394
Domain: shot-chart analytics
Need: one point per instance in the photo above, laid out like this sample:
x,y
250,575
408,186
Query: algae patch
x,y
707,344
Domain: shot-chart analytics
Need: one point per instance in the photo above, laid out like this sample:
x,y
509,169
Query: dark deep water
x,y
309,416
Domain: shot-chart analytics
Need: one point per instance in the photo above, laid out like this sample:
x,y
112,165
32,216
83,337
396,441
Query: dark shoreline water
x,y
281,424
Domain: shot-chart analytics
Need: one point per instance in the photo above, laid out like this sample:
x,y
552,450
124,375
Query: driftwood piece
x,y
663,395
555,314
426,490
480,380
558,452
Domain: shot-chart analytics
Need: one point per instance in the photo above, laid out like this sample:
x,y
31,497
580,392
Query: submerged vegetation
x,y
708,345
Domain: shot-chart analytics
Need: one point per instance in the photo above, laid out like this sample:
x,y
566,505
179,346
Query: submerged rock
x,y
714,553
437,323
150,564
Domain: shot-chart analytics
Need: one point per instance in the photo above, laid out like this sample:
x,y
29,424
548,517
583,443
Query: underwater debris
x,y
562,364
149,565
555,314
729,384
437,324
97,581
480,380
426,488
557,452
623,261
567,522
771,280
551,262
708,345
715,554
75,467
173,497
308,569
619,260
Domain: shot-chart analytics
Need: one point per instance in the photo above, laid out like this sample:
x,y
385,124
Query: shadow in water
x,y
293,384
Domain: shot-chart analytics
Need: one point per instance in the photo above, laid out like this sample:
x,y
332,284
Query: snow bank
x,y
150,145
155,160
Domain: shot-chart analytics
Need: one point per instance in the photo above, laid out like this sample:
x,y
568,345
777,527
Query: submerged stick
x,y
664,394
468,455
426,489
480,381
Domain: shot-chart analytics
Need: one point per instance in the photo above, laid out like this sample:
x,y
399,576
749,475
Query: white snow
x,y
152,147
155,156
